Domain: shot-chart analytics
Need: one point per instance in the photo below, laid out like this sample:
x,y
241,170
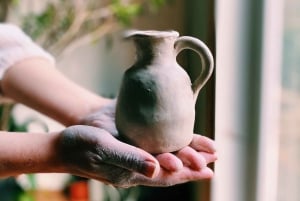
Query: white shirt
x,y
15,46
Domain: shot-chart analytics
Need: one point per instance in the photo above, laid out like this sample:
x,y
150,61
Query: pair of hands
x,y
92,150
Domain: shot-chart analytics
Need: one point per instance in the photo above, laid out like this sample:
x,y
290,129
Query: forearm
x,y
37,84
29,153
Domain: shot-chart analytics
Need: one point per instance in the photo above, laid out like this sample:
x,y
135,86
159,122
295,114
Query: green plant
x,y
62,23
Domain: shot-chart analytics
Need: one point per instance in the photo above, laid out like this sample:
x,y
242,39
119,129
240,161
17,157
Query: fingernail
x,y
151,169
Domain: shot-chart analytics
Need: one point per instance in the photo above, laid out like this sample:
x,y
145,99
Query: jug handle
x,y
207,60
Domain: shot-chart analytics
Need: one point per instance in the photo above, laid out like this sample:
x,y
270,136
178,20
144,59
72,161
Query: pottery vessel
x,y
156,103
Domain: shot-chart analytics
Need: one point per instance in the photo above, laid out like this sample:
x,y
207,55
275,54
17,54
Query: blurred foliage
x,y
64,23
10,190
7,120
9,123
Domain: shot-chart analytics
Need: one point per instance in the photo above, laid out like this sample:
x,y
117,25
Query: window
x,y
248,54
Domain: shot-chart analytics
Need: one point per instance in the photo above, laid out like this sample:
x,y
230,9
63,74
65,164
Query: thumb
x,y
132,158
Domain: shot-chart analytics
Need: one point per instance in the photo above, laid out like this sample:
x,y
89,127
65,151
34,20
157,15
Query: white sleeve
x,y
15,46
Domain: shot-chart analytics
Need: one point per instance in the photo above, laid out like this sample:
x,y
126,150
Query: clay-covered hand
x,y
94,153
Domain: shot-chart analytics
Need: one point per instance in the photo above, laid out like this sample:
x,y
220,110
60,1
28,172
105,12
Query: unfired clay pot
x,y
156,103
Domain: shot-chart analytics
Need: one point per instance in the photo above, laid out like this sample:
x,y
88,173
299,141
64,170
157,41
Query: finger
x,y
131,158
206,173
166,178
191,158
209,158
202,143
169,162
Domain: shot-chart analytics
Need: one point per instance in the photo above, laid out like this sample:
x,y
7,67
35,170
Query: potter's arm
x,y
80,150
28,153
37,84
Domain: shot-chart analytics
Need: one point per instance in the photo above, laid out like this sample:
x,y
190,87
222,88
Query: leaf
x,y
125,13
158,3
34,25
32,180
25,197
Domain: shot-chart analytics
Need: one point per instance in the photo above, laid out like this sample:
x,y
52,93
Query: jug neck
x,y
154,49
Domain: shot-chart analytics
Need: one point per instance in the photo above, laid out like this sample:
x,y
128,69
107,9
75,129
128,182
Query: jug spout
x,y
153,46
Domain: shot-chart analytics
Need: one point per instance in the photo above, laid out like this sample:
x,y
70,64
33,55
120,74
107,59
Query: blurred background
x,y
251,105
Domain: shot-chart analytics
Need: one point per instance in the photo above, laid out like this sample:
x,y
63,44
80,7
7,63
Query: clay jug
x,y
156,103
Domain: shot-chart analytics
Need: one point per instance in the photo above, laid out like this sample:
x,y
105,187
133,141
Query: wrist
x,y
99,104
55,162
29,153
89,106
